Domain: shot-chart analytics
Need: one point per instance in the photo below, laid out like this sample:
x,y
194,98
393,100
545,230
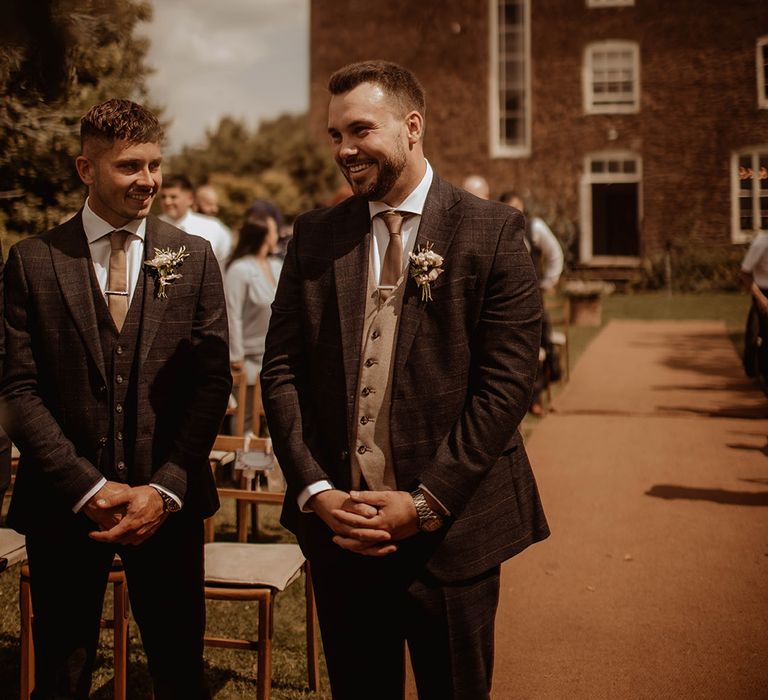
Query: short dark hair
x,y
178,180
396,81
509,195
118,120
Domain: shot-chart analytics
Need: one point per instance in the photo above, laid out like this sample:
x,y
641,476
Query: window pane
x,y
613,77
512,87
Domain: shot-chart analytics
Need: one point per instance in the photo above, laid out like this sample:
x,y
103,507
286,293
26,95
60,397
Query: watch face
x,y
432,524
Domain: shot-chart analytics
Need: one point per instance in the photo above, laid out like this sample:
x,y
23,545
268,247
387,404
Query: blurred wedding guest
x,y
207,200
249,285
754,276
113,389
266,208
477,185
548,260
176,197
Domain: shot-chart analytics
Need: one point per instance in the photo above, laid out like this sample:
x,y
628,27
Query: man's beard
x,y
389,172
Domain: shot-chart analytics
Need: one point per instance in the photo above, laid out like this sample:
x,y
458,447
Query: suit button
x,y
119,378
120,466
102,389
344,455
119,349
375,335
370,362
103,441
361,450
366,391
364,420
119,435
119,407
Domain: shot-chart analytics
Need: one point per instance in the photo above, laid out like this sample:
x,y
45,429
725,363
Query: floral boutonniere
x,y
164,268
426,266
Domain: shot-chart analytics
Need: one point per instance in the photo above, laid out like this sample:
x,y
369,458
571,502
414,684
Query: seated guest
x,y
176,197
249,286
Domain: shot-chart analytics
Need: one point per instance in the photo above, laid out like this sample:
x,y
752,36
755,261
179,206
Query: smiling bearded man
x,y
394,407
113,417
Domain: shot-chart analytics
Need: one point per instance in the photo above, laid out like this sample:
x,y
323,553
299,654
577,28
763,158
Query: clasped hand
x,y
125,514
367,522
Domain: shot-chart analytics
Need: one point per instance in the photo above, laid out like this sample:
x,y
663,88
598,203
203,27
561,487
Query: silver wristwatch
x,y
169,504
429,520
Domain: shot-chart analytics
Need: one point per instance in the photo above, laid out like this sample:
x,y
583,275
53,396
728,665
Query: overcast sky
x,y
244,58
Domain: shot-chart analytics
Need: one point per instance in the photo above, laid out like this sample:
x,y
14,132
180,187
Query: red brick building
x,y
625,122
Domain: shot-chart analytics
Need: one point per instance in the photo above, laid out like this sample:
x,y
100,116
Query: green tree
x,y
279,161
57,59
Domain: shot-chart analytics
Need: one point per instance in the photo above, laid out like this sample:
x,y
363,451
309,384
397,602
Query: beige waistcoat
x,y
372,448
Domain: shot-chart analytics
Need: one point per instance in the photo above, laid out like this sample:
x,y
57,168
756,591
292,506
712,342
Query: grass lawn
x,y
232,673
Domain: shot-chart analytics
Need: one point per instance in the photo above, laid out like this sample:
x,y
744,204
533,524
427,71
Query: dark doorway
x,y
614,219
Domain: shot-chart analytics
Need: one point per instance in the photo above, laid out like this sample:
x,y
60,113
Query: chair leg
x,y
313,670
264,663
121,607
27,683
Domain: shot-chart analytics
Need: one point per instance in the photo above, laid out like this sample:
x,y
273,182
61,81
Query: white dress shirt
x,y
208,227
413,205
756,260
551,253
97,233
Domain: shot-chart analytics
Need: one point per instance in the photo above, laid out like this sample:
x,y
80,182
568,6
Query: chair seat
x,y
241,564
12,549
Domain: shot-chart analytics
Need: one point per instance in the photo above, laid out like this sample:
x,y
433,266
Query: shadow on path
x,y
670,492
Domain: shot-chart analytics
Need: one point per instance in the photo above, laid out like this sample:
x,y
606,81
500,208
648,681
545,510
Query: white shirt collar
x,y
95,227
413,203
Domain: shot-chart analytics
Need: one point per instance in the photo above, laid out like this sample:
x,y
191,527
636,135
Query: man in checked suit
x,y
114,388
394,408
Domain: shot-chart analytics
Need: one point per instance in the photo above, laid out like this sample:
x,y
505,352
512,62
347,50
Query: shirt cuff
x,y
437,500
179,502
312,490
89,495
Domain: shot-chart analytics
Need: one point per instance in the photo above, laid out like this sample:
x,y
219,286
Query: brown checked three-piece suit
x,y
461,371
83,400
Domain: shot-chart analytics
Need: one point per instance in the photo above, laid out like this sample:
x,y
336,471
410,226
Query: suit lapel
x,y
351,251
154,308
72,265
439,221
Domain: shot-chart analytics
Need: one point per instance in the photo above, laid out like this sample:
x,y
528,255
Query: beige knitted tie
x,y
117,282
392,267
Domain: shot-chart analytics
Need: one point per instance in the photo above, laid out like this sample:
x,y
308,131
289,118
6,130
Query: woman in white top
x,y
249,285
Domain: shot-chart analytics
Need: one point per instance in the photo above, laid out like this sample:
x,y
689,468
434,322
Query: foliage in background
x,y
694,267
277,161
57,59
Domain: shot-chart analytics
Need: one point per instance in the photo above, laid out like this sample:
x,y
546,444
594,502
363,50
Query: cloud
x,y
244,58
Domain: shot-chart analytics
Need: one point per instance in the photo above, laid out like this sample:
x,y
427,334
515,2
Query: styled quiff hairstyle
x,y
120,120
396,81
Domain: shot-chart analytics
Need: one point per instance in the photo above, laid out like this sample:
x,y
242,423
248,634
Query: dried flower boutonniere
x,y
164,268
426,266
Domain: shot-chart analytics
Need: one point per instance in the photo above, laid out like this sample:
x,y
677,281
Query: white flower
x,y
426,266
163,268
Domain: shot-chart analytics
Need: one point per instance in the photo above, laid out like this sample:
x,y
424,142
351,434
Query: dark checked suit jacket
x,y
464,365
53,392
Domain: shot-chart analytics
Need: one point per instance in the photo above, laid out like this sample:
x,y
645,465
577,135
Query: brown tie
x,y
392,267
117,283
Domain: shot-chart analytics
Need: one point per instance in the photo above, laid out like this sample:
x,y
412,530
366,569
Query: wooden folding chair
x,y
236,407
239,571
118,623
559,312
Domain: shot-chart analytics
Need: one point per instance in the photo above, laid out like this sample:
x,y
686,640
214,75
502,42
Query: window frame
x,y
739,235
497,147
761,60
610,3
588,178
588,73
